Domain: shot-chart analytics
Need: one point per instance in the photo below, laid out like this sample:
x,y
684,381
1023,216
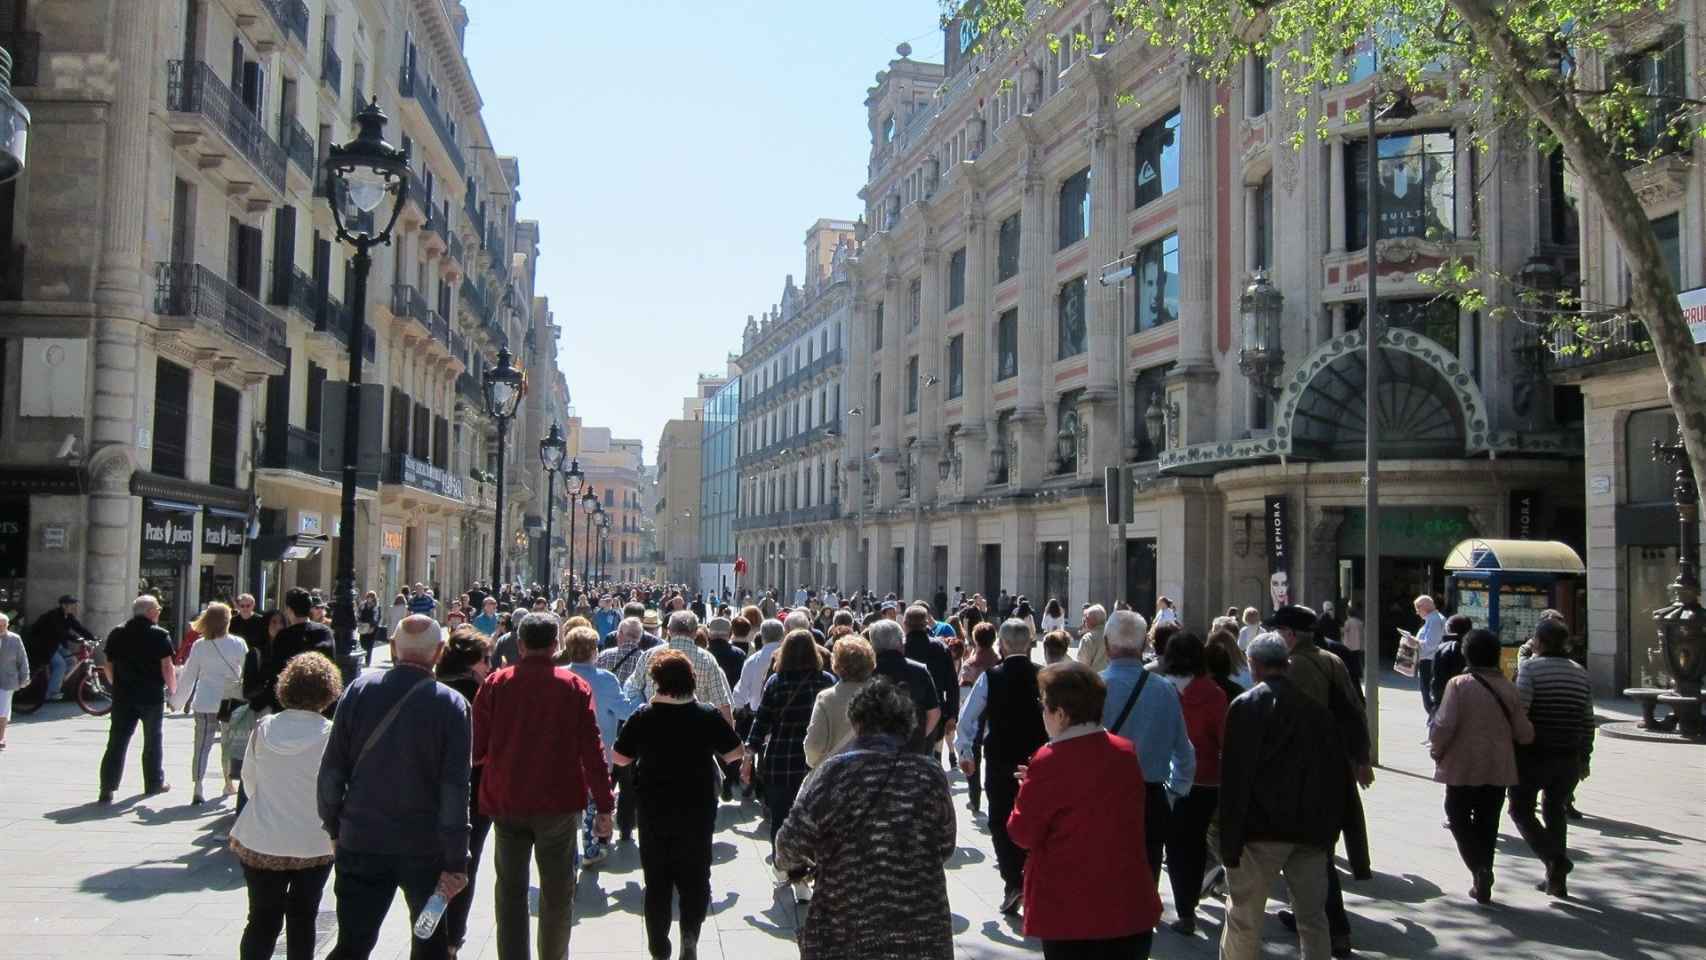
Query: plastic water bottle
x,y
428,920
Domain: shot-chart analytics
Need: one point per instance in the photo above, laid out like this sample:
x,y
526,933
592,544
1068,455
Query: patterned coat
x,y
879,826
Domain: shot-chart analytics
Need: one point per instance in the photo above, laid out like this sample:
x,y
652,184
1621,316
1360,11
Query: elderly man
x,y
749,690
624,656
709,683
1093,647
892,662
403,821
1283,781
1144,708
1004,704
1431,632
537,740
139,667
921,646
1558,698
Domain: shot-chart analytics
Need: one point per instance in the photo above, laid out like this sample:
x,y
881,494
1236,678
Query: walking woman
x,y
778,733
674,743
14,671
1473,742
462,667
278,837
876,824
830,731
982,657
212,685
368,626
1204,706
1054,617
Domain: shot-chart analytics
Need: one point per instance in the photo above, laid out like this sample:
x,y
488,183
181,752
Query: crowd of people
x,y
566,727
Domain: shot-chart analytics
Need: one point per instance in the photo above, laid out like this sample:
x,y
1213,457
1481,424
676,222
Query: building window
x,y
1074,208
1262,229
888,129
1666,231
171,418
1069,309
912,384
1562,225
1158,159
957,278
877,400
1258,86
956,366
1007,345
877,328
1432,317
914,303
222,460
1418,187
1650,481
1007,249
999,467
1660,71
1158,283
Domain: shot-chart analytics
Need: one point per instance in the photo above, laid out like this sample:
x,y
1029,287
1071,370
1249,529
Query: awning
x,y
287,546
1514,556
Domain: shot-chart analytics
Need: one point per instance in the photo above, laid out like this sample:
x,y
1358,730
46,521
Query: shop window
x,y
1069,309
1417,186
956,366
1007,345
1157,283
957,278
1007,249
1074,208
1157,161
1648,481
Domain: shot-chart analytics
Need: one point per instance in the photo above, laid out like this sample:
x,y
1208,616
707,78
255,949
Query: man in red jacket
x,y
536,735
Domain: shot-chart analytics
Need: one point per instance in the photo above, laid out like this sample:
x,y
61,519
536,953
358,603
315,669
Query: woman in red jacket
x,y
1204,705
1088,893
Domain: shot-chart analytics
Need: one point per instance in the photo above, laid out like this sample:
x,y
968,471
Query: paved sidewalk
x,y
150,878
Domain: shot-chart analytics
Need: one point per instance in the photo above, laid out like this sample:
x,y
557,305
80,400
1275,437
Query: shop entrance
x,y
1414,542
14,558
1140,574
991,572
1057,574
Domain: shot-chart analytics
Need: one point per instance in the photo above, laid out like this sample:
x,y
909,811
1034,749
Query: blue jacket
x,y
1156,725
608,701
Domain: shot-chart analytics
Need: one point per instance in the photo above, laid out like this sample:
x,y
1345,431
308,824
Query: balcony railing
x,y
193,87
455,243
299,146
25,48
413,86
468,388
476,219
458,345
331,68
292,17
296,291
334,318
406,301
191,290
1598,341
790,518
408,471
299,451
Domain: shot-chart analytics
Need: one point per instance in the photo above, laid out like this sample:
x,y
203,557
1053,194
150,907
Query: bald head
x,y
417,640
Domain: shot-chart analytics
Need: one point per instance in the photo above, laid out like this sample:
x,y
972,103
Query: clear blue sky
x,y
674,152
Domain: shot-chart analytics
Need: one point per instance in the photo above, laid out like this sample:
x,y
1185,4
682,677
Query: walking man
x,y
537,742
1555,691
393,795
1144,707
139,668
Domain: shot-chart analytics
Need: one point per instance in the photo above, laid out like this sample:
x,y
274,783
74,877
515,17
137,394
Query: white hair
x,y
1126,633
1015,636
885,635
143,605
1097,613
417,638
683,623
798,620
630,628
5,621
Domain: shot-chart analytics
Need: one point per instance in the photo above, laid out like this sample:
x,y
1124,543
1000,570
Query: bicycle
x,y
84,683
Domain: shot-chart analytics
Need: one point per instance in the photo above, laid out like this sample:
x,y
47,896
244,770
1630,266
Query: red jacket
x,y
536,740
1204,704
1080,814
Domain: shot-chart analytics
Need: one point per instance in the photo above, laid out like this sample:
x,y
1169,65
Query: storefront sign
x,y
1276,517
308,521
14,538
223,532
391,539
1693,304
168,534
424,476
53,538
1524,513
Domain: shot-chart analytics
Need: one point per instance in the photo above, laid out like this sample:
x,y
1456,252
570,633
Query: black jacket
x,y
1012,715
1283,775
1449,661
51,630
303,637
933,653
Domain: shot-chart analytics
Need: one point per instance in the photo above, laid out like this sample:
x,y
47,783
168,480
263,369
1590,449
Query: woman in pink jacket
x,y
1473,741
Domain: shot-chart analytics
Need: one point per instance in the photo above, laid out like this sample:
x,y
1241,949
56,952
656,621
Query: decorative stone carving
x,y
1284,153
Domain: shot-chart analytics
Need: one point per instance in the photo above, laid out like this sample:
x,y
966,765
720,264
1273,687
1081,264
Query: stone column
x,y
932,363
894,335
1335,195
1196,225
974,409
1107,338
1034,360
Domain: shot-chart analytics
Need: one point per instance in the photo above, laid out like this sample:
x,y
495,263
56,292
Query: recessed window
x,y
877,328
1158,283
1417,187
1157,166
1660,71
1666,230
956,366
1069,309
1258,85
957,278
1074,208
1262,225
1007,249
911,384
914,303
1007,345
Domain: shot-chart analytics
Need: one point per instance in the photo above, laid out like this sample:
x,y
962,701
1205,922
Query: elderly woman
x,y
829,729
278,837
674,742
1088,886
463,667
778,732
14,671
876,823
211,684
609,703
1473,742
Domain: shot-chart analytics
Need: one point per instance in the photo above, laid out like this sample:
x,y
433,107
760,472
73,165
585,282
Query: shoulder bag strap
x,y
625,658
386,721
1130,702
1496,699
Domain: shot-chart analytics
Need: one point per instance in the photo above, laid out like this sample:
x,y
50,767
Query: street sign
x,y
371,460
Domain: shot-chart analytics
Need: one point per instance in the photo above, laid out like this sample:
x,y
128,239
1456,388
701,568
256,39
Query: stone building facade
x,y
677,507
995,372
176,303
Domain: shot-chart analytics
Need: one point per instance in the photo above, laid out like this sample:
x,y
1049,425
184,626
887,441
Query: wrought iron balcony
x,y
406,301
299,146
468,388
331,68
292,17
414,88
334,318
25,48
296,291
193,88
1594,342
299,451
455,243
192,291
476,219
458,345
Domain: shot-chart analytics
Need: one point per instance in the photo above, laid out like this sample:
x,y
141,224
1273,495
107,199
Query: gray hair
x,y
1125,633
683,623
771,631
143,605
1097,613
417,637
1015,636
1269,649
630,628
885,635
797,620
884,708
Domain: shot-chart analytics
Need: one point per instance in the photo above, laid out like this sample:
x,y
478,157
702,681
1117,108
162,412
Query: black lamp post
x,y
360,176
503,387
590,507
603,546
572,481
551,452
1682,622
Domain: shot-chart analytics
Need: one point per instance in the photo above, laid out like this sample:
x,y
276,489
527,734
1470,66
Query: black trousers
x,y
779,795
1338,921
627,798
974,782
1425,680
1474,816
124,718
1356,830
1187,846
675,860
365,885
1551,780
1002,790
1157,821
1119,948
456,914
282,901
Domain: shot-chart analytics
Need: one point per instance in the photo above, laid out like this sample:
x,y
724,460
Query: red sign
x,y
740,565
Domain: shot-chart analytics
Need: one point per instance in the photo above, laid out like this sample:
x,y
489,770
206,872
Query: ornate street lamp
x,y
604,545
590,507
14,124
1682,623
572,481
360,176
552,449
503,387
1160,421
1262,357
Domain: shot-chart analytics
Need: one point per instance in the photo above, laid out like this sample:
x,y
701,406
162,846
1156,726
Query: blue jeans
x,y
364,886
57,665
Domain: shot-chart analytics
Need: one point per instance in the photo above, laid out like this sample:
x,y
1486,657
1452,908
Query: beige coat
x,y
829,730
1472,742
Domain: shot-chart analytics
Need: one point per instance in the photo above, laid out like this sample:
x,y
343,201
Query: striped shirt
x,y
709,684
1559,699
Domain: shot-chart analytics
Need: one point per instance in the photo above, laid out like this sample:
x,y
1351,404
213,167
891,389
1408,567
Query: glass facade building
x,y
718,480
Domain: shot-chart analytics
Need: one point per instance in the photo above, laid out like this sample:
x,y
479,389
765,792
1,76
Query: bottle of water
x,y
427,922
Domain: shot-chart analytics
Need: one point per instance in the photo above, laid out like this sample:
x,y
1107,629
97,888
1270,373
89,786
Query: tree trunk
x,y
1595,162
